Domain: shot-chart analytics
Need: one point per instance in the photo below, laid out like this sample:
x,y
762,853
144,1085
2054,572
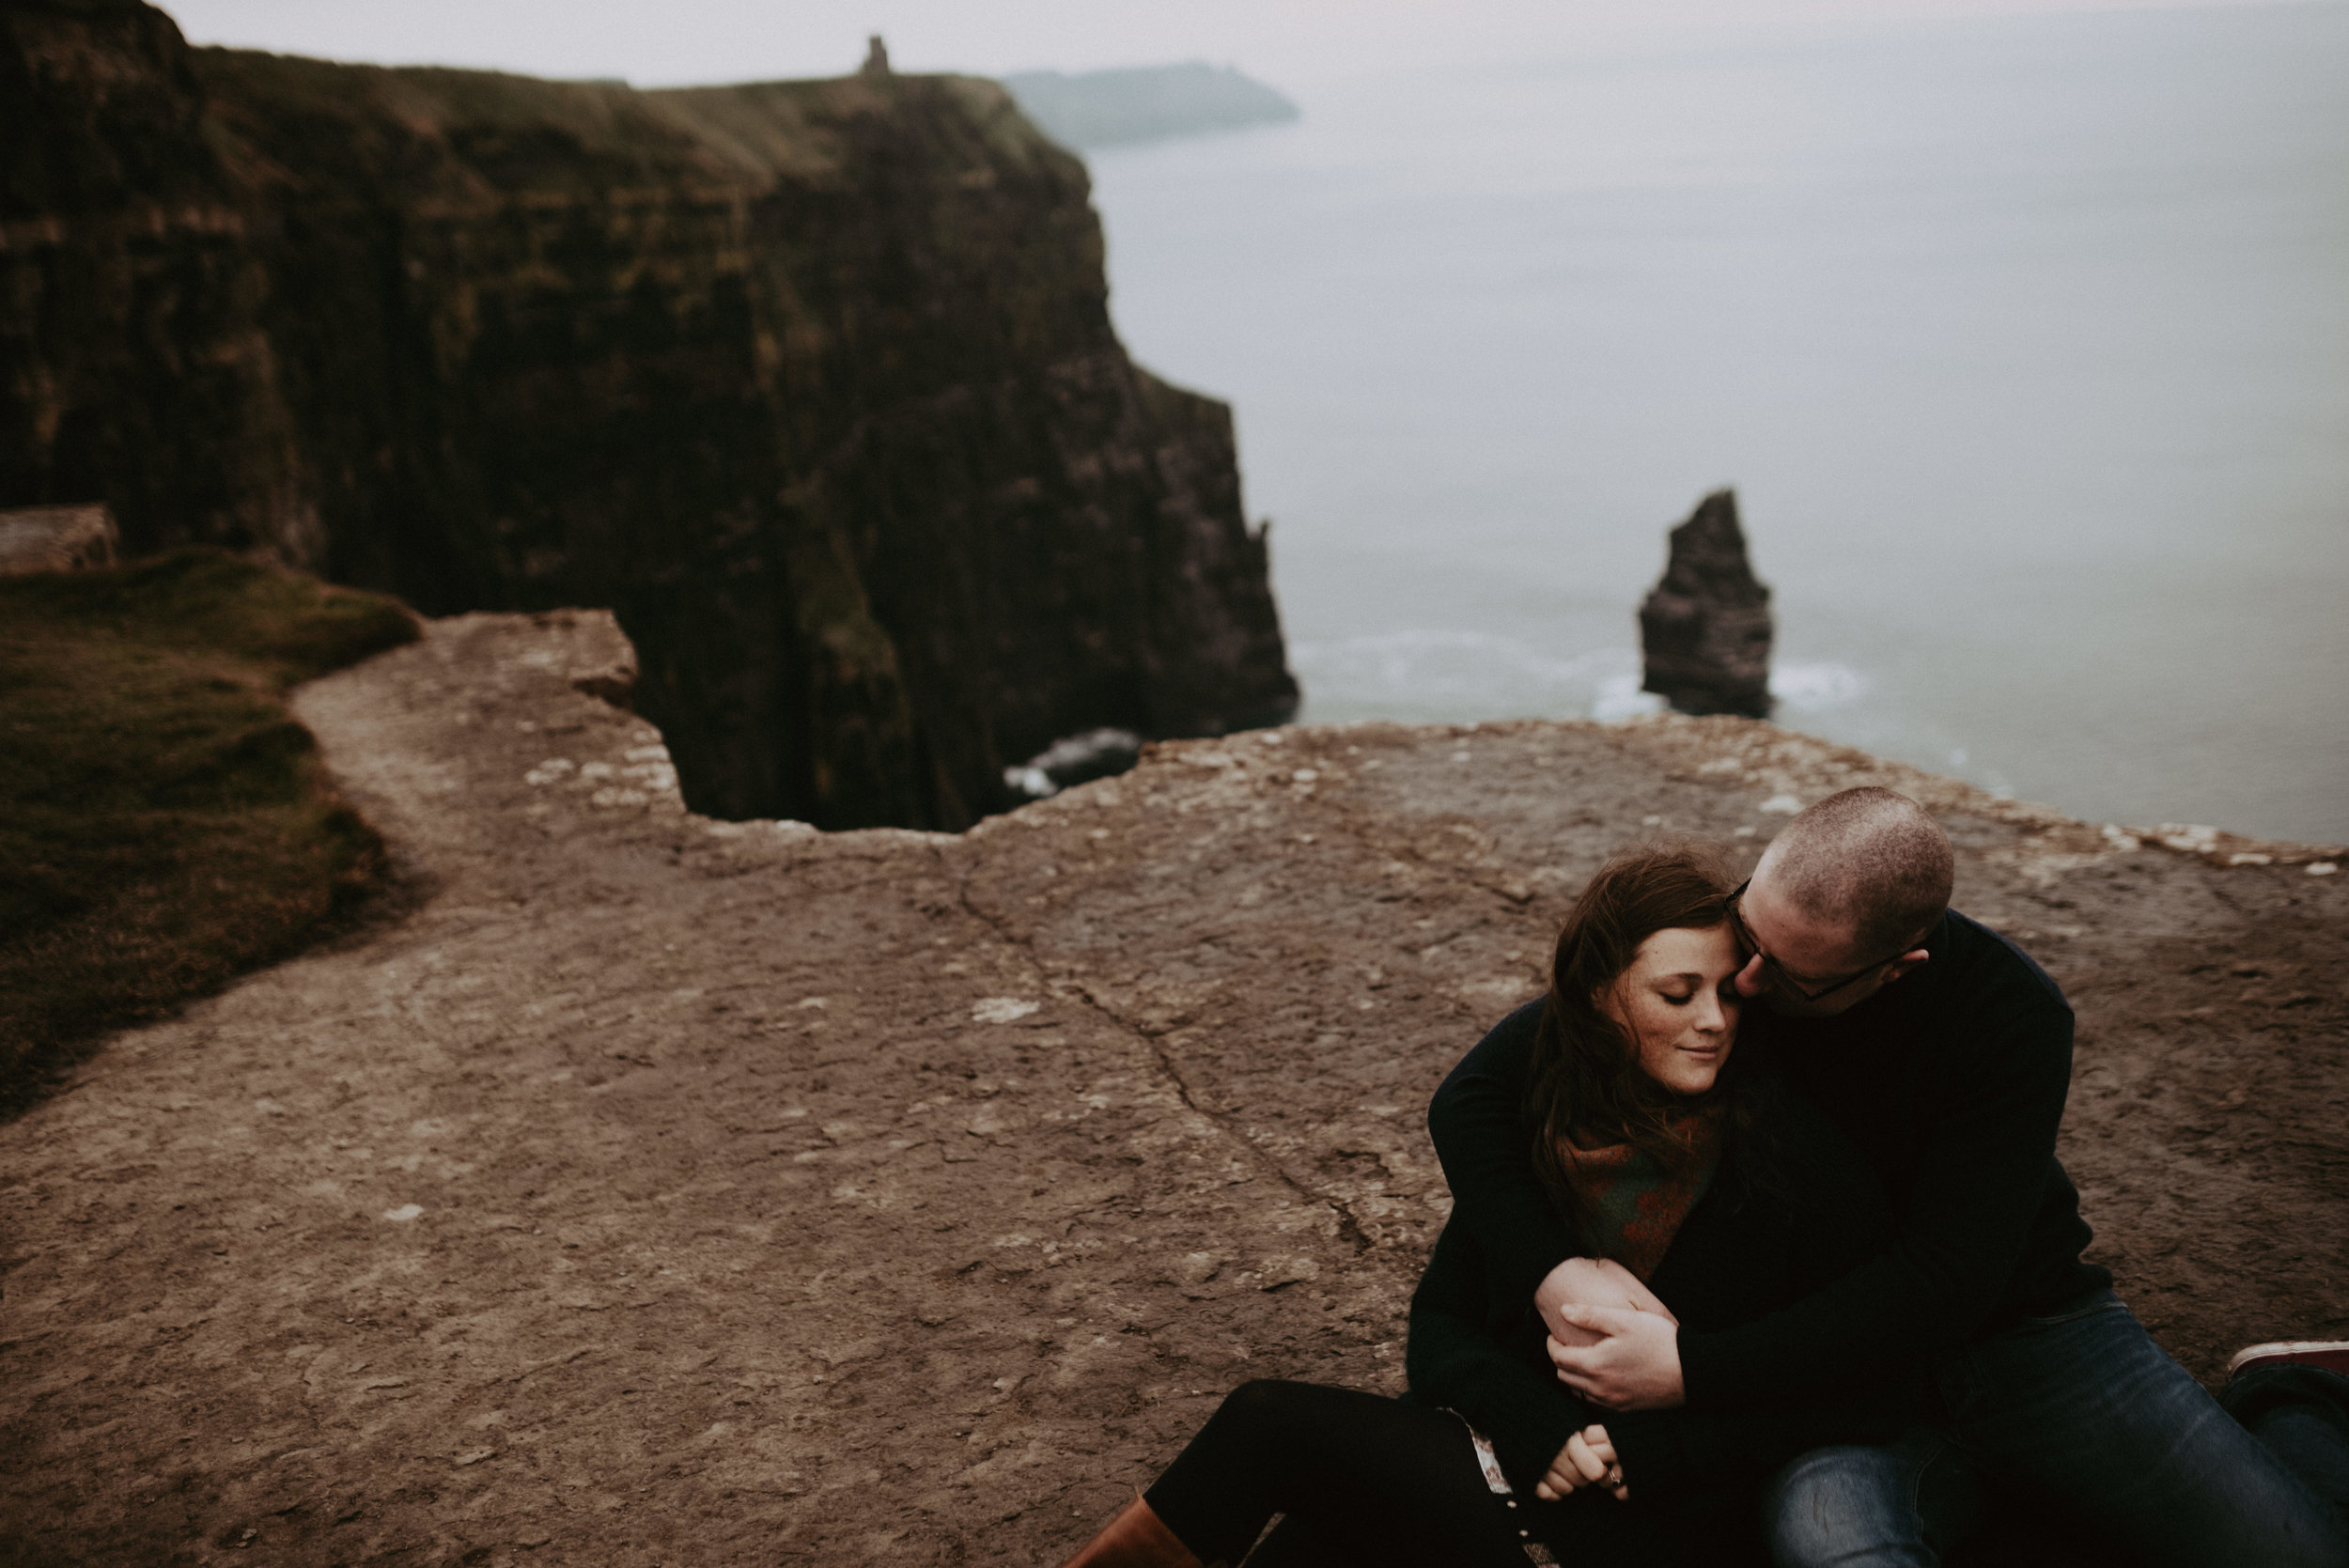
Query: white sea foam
x,y
1817,688
1093,753
1425,674
1620,698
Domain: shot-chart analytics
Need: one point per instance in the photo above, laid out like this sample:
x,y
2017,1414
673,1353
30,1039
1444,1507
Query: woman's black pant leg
x,y
1375,1479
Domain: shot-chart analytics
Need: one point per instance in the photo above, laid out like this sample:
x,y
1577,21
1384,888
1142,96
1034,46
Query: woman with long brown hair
x,y
1699,1192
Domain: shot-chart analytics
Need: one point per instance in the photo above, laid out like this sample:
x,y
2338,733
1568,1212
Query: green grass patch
x,y
165,822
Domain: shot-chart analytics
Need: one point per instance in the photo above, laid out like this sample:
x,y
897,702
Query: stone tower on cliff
x,y
1705,630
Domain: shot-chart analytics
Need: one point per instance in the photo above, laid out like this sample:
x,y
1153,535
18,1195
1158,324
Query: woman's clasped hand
x,y
1587,1460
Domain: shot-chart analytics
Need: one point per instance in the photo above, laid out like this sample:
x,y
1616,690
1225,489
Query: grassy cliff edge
x,y
165,822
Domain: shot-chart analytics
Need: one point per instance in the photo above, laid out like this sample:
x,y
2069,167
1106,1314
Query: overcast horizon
x,y
1287,42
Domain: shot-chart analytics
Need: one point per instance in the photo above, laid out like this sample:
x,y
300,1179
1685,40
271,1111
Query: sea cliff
x,y
812,382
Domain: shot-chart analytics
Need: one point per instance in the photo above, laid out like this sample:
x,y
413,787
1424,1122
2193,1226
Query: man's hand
x,y
1635,1366
1587,1460
1592,1282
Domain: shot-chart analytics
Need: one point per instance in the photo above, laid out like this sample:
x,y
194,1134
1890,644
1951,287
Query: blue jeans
x,y
2084,1409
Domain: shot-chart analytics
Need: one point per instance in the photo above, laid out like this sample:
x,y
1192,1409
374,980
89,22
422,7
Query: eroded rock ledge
x,y
647,1187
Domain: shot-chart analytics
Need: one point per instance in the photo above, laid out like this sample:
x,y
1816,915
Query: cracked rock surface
x,y
640,1189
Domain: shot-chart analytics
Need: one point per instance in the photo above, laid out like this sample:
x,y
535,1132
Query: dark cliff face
x,y
1706,629
812,382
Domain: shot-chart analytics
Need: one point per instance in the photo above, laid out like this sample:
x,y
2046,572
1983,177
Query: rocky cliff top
x,y
642,1186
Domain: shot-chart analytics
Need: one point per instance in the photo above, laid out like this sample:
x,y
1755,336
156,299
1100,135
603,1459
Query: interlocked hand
x,y
1634,1365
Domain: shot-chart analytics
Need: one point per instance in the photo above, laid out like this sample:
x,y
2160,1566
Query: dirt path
x,y
645,1189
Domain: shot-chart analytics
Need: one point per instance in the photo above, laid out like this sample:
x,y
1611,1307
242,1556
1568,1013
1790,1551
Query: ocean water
x,y
2025,342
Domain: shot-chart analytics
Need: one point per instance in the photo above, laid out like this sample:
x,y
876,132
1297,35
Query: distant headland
x,y
1145,103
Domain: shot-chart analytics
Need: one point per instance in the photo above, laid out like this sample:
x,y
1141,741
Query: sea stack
x,y
1705,630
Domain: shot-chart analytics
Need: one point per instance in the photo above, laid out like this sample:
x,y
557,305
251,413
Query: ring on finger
x,y
1614,1475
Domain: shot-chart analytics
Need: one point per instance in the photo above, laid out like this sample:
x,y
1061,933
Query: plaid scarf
x,y
1632,1203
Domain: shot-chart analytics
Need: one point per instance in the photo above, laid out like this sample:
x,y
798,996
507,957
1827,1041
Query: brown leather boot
x,y
1137,1538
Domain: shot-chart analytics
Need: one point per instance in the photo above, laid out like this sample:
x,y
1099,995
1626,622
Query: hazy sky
x,y
1289,42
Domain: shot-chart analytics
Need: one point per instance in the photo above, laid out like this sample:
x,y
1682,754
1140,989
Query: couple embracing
x,y
1760,1251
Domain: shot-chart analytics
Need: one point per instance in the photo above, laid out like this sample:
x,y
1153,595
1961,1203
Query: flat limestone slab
x,y
56,538
639,1188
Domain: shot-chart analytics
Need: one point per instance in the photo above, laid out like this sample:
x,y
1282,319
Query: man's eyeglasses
x,y
1775,970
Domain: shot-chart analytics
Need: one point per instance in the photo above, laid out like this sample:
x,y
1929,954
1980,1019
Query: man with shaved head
x,y
1944,1053
1867,869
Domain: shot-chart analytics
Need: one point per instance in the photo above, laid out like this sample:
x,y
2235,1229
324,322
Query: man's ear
x,y
1913,958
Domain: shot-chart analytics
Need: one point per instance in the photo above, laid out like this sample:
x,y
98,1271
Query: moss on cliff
x,y
812,382
165,823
